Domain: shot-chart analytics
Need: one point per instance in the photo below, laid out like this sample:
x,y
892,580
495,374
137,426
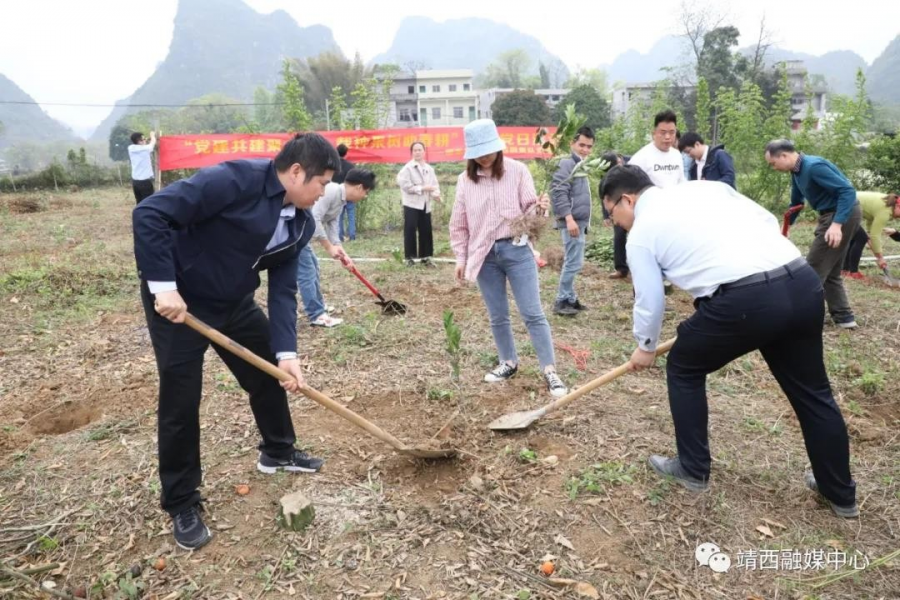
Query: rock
x,y
297,512
476,482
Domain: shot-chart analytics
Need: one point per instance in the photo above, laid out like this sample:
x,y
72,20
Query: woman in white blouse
x,y
418,187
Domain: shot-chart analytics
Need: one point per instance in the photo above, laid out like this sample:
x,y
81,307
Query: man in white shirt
x,y
752,291
660,159
327,212
139,153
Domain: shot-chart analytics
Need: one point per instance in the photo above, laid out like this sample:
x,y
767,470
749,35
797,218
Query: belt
x,y
506,239
765,276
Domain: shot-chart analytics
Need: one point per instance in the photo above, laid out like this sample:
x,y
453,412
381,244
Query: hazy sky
x,y
99,51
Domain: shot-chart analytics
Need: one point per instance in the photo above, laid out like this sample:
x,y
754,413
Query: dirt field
x,y
79,487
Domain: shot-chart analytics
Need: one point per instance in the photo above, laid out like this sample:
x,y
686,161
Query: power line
x,y
204,105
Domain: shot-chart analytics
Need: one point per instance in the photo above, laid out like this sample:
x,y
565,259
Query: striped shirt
x,y
483,211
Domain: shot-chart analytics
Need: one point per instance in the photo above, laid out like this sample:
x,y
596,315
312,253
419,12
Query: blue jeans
x,y
516,264
574,261
308,282
350,211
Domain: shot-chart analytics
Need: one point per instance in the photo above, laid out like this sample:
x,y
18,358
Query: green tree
x,y
508,70
322,73
718,63
702,115
544,75
212,113
589,103
338,108
296,116
268,116
596,78
364,106
520,107
883,162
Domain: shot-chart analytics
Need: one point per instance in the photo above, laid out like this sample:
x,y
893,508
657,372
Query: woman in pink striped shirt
x,y
492,192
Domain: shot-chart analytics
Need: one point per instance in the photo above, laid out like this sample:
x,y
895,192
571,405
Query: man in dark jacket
x,y
711,163
200,243
571,198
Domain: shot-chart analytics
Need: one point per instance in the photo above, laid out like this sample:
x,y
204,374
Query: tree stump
x,y
297,512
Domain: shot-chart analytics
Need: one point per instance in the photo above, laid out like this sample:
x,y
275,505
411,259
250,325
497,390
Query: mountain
x,y
223,46
883,77
27,122
838,67
633,67
422,43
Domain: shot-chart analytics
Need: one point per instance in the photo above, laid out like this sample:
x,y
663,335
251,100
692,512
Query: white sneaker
x,y
557,388
324,320
329,309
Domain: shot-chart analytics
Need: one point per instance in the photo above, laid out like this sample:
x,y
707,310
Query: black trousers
x,y
142,189
855,250
782,318
620,237
179,354
415,220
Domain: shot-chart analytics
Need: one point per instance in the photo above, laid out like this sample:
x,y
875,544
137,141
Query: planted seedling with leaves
x,y
453,338
558,146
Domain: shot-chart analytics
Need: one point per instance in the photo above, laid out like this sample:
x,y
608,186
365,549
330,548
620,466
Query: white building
x,y
802,97
637,93
445,98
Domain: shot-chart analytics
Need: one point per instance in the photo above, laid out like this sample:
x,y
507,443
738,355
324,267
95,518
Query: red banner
x,y
443,144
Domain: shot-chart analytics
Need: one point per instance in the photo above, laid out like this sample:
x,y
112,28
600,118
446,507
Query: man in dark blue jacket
x,y
711,163
830,194
572,207
200,244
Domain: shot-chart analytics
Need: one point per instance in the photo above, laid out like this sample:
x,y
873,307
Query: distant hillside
x,y
633,67
223,46
464,44
883,77
27,122
838,67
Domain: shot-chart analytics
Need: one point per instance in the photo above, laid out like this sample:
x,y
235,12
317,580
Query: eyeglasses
x,y
615,204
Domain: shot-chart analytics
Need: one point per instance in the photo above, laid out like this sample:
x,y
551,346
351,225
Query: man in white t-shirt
x,y
752,291
139,153
660,159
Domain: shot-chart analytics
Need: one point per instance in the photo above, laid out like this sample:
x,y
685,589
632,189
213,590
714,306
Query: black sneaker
x,y
671,467
299,462
427,262
563,308
845,512
410,262
577,305
503,372
189,529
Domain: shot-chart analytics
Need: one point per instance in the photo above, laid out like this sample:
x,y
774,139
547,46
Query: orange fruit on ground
x,y
547,568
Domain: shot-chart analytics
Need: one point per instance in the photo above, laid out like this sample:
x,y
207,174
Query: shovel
x,y
890,280
521,420
264,365
786,222
388,307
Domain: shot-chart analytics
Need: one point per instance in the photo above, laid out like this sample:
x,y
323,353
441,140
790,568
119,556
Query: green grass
x,y
598,477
